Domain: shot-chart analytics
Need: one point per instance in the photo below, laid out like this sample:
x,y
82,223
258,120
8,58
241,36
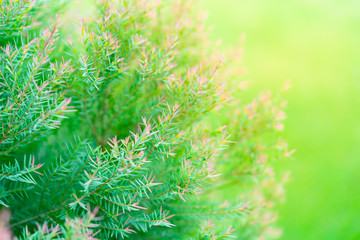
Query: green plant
x,y
145,102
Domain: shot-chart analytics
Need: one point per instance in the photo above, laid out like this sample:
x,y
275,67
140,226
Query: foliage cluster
x,y
117,131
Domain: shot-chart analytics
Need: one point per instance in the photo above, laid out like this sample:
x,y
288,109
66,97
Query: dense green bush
x,y
116,131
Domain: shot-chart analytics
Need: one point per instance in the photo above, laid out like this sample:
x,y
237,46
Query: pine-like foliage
x,y
127,130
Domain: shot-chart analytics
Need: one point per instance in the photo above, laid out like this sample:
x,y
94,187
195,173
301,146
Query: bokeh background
x,y
316,45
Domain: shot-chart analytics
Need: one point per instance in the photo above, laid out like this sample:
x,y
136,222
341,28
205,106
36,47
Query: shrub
x,y
117,131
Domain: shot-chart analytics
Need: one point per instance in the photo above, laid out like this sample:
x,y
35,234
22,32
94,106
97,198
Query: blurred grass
x,y
315,44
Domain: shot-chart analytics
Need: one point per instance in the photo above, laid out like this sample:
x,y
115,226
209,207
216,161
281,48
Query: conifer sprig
x,y
30,102
14,16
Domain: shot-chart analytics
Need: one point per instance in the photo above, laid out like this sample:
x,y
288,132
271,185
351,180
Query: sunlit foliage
x,y
126,129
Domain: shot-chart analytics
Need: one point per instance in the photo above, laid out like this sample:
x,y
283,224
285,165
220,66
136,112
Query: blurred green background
x,y
316,45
